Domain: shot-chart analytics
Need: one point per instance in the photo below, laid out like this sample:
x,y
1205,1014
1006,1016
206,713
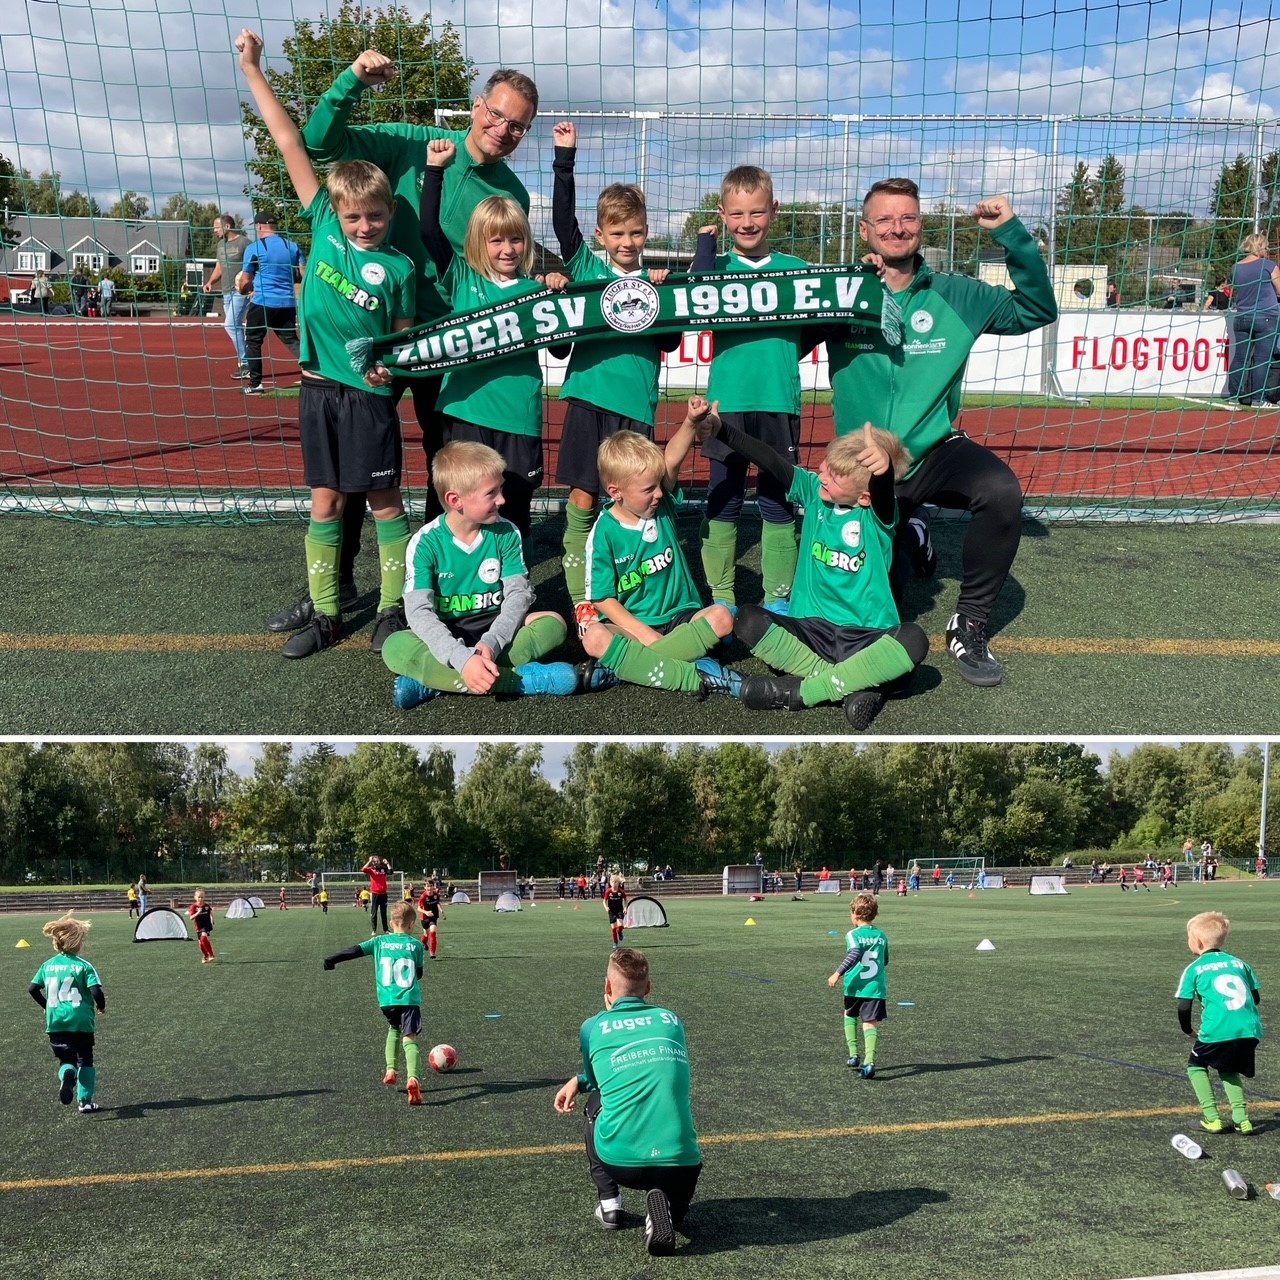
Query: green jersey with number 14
x,y
869,979
1225,987
397,959
69,1003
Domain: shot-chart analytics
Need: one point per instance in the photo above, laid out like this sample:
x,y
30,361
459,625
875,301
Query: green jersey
x,y
504,395
397,962
618,374
1225,987
400,151
842,573
635,1055
869,978
642,567
465,580
756,370
348,293
66,982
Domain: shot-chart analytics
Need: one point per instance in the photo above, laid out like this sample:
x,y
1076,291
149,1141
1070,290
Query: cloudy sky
x,y
143,94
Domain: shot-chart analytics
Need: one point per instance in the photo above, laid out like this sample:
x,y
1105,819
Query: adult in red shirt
x,y
377,869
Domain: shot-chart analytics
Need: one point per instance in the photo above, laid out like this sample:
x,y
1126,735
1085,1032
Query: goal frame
x,y
358,878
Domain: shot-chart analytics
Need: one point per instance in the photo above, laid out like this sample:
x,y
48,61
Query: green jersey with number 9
x,y
69,1003
397,960
1225,986
868,980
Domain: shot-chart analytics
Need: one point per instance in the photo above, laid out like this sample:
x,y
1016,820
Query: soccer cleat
x,y
556,678
1245,1127
855,1061
772,693
967,642
409,693
255,389
298,615
867,1070
592,677
780,607
719,679
390,1077
609,1219
387,623
88,1108
414,1090
924,559
1214,1126
67,1087
659,1233
322,633
860,709
241,374
584,615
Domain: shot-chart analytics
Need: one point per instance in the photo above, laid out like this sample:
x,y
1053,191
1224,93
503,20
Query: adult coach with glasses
x,y
501,114
914,390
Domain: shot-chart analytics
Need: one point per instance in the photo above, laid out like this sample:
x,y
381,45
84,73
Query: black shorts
x,y
829,642
405,1018
617,917
666,628
429,917
865,1010
1231,1056
522,454
585,427
74,1048
350,438
780,431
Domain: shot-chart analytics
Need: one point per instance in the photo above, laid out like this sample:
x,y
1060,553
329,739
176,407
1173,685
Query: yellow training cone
x,y
22,942
750,920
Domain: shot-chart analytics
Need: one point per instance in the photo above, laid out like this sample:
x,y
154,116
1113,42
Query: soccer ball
x,y
444,1057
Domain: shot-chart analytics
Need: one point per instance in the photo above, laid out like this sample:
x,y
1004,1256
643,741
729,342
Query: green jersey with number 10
x,y
397,960
869,979
1225,986
69,1003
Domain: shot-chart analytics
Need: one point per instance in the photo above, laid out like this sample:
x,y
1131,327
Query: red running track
x,y
131,404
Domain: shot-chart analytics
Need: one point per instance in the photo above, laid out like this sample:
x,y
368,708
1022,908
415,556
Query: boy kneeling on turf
x,y
654,629
467,595
842,640
354,287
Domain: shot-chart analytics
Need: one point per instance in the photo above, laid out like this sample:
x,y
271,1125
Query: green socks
x,y
323,540
877,664
393,1047
779,550
577,526
783,652
1234,1090
637,664
535,640
688,641
869,1037
85,1083
851,1036
1201,1083
393,538
412,1059
406,655
719,552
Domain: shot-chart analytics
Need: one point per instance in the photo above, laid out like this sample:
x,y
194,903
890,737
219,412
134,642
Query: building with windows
x,y
61,246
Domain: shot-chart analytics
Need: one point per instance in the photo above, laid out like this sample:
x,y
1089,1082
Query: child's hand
x,y
833,980
249,46
378,376
704,417
440,152
329,965
565,134
659,275
873,456
555,281
479,672
374,68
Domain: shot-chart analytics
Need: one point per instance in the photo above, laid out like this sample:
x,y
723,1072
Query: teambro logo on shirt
x,y
629,305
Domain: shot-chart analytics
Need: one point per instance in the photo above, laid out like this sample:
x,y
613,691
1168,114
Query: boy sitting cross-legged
x,y
842,641
467,595
654,629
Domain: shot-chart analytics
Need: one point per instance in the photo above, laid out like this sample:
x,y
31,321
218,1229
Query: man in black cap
x,y
271,269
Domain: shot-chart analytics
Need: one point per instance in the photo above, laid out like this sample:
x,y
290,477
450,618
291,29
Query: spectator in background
x,y
106,296
229,257
79,292
1219,297
1252,374
1113,294
1188,851
41,292
270,270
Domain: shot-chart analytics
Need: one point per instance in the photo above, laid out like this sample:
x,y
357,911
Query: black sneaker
x,y
772,693
67,1088
322,633
387,623
659,1233
592,677
299,614
967,641
609,1219
861,708
924,559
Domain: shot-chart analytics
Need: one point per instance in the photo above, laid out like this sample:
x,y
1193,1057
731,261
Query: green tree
x,y
198,215
130,207
433,72
264,813
704,215
1231,208
44,195
393,805
732,787
505,796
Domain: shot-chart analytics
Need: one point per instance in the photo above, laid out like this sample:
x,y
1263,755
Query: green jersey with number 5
x,y
397,961
1225,987
68,1001
869,979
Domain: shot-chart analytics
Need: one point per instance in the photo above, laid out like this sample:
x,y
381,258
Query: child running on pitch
x,y
499,402
654,629
355,286
468,596
610,385
615,903
70,992
1230,1027
842,640
201,913
430,912
397,970
866,983
755,377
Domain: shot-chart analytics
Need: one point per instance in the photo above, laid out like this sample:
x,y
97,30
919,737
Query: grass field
x,y
1019,1124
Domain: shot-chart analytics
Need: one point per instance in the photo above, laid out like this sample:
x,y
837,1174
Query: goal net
x,y
644,912
1043,886
161,924
240,909
351,882
963,871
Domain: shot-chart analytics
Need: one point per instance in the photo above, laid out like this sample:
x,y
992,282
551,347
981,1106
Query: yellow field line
x,y
575,1148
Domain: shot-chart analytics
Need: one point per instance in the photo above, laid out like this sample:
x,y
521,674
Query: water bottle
x,y
1273,1190
1185,1146
1237,1187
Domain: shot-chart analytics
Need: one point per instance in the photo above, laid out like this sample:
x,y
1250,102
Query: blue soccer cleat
x,y
556,678
592,677
780,607
868,1070
719,679
855,1061
409,693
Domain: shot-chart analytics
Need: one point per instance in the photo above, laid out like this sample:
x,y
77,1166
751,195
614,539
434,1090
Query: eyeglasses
x,y
513,127
908,222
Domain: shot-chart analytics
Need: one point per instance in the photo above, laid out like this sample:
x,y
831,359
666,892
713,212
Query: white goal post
x,y
356,880
966,868
1039,886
